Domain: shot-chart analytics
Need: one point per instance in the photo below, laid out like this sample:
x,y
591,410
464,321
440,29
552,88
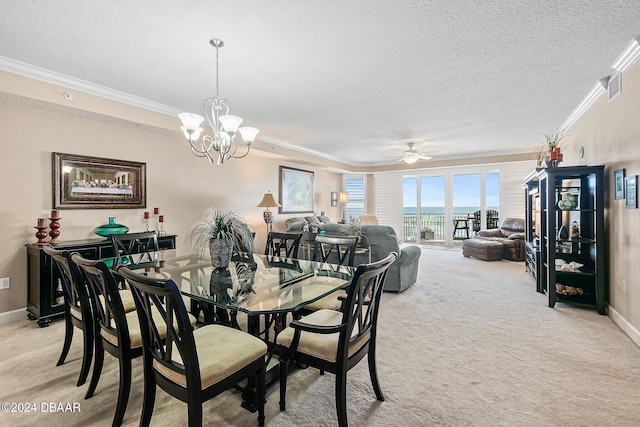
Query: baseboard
x,y
13,316
626,327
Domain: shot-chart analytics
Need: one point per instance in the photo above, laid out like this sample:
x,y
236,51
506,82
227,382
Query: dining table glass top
x,y
252,283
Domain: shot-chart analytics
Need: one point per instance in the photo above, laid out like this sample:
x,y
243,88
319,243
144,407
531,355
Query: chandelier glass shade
x,y
222,144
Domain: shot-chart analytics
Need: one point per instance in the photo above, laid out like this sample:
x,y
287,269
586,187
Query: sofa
x,y
486,243
382,240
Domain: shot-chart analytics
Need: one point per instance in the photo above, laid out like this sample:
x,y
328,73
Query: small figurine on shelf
x,y
575,230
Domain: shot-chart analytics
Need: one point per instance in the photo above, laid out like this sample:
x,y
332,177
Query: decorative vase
x,y
110,228
220,251
572,201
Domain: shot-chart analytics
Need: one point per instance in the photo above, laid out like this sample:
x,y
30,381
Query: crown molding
x,y
627,58
31,71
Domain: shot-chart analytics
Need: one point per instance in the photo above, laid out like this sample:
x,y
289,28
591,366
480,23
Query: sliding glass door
x,y
445,208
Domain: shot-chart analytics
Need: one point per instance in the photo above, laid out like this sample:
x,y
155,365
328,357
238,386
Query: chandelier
x,y
221,144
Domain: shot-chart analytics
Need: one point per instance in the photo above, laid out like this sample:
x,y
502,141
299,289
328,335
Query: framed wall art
x,y
296,190
85,182
631,191
618,179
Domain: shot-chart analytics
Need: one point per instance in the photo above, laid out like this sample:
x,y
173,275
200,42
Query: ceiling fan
x,y
411,155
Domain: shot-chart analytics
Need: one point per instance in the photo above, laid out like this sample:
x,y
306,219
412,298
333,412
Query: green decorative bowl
x,y
110,228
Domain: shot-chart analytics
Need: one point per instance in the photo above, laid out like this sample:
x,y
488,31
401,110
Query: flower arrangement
x,y
427,229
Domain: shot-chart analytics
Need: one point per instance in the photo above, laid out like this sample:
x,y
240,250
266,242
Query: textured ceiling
x,y
351,79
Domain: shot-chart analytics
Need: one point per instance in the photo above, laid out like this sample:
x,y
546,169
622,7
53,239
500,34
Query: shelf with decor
x,y
571,232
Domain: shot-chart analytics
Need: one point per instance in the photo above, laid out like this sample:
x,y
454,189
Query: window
x,y
356,206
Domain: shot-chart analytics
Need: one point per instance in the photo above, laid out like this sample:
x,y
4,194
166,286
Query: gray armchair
x,y
383,240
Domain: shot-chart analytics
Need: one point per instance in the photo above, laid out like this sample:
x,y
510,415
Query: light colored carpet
x,y
471,344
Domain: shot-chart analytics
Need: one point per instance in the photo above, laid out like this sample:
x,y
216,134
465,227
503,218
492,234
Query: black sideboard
x,y
43,277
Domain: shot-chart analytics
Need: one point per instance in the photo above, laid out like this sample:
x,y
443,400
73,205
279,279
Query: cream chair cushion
x,y
221,351
322,346
135,334
330,302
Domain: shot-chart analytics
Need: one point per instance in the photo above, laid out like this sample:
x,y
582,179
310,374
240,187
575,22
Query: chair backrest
x,y
134,248
477,220
163,296
283,244
492,219
368,220
360,309
73,285
335,250
105,298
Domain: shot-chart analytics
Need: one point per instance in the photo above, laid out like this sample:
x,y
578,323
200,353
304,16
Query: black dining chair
x,y
134,248
118,331
336,340
190,365
77,309
283,244
334,250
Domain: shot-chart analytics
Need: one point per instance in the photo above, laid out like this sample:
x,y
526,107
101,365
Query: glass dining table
x,y
266,288
258,285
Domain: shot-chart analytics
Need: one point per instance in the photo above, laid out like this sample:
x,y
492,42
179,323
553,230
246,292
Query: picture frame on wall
x,y
296,190
631,191
86,182
618,179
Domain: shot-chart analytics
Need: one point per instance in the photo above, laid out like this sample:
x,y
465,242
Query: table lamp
x,y
268,202
344,199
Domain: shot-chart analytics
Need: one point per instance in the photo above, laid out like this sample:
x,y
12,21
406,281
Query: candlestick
x,y
54,233
146,215
146,219
55,213
161,219
41,223
41,235
160,226
156,211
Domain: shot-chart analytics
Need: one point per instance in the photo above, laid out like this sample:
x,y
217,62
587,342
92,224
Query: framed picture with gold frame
x,y
86,182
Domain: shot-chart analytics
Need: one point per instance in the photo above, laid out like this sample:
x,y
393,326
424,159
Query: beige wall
x,y
181,185
610,135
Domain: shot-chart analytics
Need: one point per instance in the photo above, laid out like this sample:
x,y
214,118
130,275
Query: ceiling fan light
x,y
410,159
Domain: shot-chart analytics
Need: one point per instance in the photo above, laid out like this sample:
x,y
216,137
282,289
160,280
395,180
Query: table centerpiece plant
x,y
223,232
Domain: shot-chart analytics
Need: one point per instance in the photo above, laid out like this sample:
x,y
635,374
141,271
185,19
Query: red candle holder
x,y
41,235
54,233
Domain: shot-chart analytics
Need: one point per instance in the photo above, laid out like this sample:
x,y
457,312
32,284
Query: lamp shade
x,y
268,201
344,197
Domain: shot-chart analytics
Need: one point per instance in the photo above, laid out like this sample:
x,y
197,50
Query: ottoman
x,y
486,250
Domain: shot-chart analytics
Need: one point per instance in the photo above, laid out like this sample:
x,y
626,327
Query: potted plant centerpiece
x,y
355,229
427,233
222,232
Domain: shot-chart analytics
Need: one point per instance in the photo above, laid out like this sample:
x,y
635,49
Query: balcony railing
x,y
436,223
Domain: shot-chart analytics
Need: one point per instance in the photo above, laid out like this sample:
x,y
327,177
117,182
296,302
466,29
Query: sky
x,y
466,190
